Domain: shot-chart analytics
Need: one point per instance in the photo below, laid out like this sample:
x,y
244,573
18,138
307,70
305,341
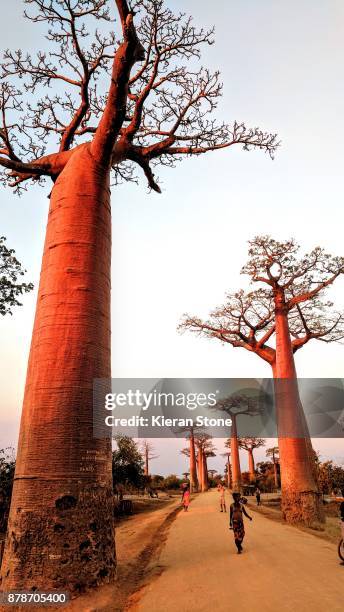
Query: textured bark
x,y
251,465
236,471
193,466
301,500
61,530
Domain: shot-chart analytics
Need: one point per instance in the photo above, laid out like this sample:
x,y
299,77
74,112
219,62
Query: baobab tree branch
x,y
129,52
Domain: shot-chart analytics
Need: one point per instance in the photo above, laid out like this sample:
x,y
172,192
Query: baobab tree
x,y
236,405
59,124
205,449
274,322
228,467
10,287
191,453
250,444
148,454
273,452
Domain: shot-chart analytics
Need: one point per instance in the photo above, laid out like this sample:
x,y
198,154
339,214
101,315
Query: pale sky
x,y
282,68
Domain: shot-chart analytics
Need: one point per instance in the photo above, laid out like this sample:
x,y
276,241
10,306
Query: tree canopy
x,y
60,98
127,463
247,318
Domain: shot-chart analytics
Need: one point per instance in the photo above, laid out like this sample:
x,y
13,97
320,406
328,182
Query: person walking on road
x,y
258,496
236,521
221,490
186,498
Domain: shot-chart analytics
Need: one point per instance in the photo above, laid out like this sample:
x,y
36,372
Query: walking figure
x,y
186,498
236,521
258,496
221,490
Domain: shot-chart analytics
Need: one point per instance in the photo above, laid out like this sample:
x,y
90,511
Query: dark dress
x,y
237,522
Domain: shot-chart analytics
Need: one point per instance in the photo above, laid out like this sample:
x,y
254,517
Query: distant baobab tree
x,y
228,467
273,452
148,454
250,444
10,287
205,449
274,322
191,453
236,405
77,114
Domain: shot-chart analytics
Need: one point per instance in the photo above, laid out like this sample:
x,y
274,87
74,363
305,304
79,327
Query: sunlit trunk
x,y
300,496
236,471
193,467
61,530
251,465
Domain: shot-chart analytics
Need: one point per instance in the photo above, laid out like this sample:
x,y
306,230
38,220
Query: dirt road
x,y
281,569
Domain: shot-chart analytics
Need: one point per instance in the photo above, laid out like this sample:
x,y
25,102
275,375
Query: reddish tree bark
x,y
236,470
61,521
61,529
193,464
290,309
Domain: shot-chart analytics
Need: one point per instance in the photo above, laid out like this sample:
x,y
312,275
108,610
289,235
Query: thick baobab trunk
x,y
61,529
251,465
193,467
236,471
301,501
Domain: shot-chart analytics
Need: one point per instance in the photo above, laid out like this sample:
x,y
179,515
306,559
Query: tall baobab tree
x,y
59,123
250,444
148,455
10,271
205,449
191,453
273,452
236,405
274,322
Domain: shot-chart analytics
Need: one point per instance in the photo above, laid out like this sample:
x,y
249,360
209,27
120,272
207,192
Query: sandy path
x,y
281,568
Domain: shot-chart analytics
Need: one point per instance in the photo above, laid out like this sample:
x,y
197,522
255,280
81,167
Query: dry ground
x,y
282,568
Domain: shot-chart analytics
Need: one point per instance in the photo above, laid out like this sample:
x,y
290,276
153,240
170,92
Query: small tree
x,y
289,308
10,271
7,467
250,444
127,464
274,454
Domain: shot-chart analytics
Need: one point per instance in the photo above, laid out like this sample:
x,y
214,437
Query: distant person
x,y
257,492
236,521
221,490
186,498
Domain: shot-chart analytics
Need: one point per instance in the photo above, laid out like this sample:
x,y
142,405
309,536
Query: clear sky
x,y
282,68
